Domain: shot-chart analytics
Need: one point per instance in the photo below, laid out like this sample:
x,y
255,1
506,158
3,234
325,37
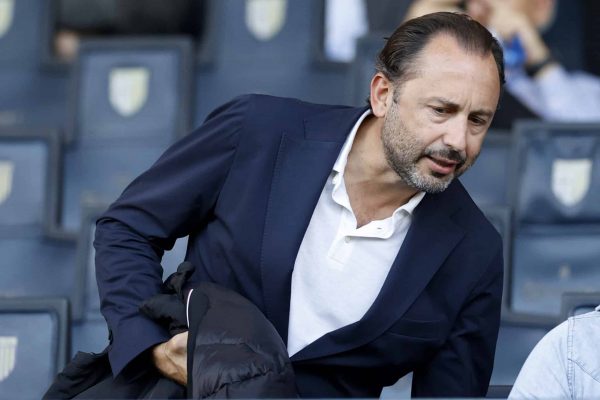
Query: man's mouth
x,y
442,165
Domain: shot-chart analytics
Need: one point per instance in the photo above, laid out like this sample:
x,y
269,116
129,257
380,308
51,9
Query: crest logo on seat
x,y
265,18
571,180
7,8
128,89
6,179
8,355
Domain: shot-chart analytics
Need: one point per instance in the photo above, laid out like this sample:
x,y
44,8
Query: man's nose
x,y
455,136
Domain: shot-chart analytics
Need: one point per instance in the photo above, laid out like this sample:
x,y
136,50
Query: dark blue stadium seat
x,y
498,391
34,263
247,58
488,181
131,99
24,29
131,90
576,303
551,260
31,94
518,336
500,217
24,183
557,180
33,345
557,214
363,67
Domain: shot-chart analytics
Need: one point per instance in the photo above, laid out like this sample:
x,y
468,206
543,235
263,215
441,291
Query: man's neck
x,y
374,189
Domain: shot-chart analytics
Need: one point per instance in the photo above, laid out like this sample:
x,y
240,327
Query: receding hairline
x,y
413,67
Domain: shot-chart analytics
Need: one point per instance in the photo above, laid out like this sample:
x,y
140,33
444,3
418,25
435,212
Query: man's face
x,y
435,122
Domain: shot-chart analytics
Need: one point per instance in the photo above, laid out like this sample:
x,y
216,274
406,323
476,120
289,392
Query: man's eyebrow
x,y
483,113
443,101
450,104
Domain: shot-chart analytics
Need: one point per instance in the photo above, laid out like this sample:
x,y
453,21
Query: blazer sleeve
x,y
173,198
463,366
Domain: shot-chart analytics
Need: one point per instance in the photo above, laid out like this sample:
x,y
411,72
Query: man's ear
x,y
381,94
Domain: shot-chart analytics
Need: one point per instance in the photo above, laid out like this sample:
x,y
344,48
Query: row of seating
x,y
547,207
547,176
35,335
129,99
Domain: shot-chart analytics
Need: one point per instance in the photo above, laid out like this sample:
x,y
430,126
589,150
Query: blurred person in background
x,y
534,76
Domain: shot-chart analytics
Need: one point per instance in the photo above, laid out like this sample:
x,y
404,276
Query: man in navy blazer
x,y
248,187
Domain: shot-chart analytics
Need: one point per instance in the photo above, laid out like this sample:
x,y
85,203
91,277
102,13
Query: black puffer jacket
x,y
233,351
237,352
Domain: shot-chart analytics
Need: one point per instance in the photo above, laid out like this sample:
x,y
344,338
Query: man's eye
x,y
478,121
439,110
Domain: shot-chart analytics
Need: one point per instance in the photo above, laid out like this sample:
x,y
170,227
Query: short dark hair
x,y
397,58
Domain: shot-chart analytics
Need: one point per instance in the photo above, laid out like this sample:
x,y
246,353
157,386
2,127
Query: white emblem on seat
x,y
6,179
8,355
265,18
571,180
6,15
128,89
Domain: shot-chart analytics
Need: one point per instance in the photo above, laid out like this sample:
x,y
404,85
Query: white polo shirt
x,y
339,269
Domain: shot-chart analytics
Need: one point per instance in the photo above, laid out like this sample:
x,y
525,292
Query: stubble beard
x,y
403,151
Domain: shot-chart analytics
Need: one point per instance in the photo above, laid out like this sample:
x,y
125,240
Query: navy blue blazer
x,y
243,186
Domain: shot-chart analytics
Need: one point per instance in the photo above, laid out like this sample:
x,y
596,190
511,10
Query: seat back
x,y
500,217
131,100
557,214
556,176
33,345
519,333
576,303
363,67
131,90
24,32
29,165
32,262
488,180
265,47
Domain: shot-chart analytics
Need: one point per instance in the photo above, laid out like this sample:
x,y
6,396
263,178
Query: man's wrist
x,y
535,69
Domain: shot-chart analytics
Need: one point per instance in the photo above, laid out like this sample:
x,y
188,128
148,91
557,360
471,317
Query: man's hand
x,y
509,21
170,358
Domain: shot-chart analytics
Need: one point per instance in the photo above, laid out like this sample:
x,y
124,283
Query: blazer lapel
x,y
431,237
301,170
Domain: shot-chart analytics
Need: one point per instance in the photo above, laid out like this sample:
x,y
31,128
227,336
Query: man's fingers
x,y
170,358
178,343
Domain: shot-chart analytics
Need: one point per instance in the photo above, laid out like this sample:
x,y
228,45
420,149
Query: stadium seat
x,y
131,90
24,30
575,303
36,263
130,100
488,181
518,335
557,214
498,391
265,47
31,94
33,345
28,166
363,67
500,217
